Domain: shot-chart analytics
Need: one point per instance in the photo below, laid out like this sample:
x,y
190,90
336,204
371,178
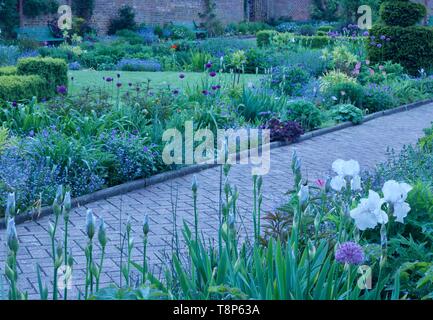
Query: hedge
x,y
264,38
8,71
53,71
402,13
14,88
412,47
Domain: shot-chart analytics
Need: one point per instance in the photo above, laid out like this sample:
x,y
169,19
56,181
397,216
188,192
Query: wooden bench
x,y
39,34
192,26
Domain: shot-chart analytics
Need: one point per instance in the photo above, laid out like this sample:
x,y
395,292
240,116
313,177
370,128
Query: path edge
x,y
165,176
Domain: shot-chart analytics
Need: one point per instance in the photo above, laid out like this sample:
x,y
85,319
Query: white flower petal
x,y
363,219
401,209
352,168
338,167
356,183
394,192
338,183
369,212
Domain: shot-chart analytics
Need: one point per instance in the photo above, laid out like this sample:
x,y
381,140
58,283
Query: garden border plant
x,y
158,178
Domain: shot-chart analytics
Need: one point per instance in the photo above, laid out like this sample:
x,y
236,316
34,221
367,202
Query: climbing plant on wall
x,y
9,17
210,20
83,8
34,8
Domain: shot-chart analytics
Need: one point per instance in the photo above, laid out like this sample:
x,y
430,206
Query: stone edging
x,y
165,176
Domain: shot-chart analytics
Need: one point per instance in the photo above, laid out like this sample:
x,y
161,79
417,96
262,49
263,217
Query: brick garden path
x,y
366,143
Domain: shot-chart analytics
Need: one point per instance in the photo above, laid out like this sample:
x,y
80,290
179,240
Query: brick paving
x,y
366,143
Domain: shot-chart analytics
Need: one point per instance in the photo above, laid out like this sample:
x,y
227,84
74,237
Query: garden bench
x,y
39,34
192,26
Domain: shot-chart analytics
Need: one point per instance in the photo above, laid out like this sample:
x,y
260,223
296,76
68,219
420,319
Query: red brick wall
x,y
297,9
160,11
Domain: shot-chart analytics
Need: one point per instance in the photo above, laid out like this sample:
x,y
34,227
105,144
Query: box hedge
x,y
402,13
412,47
53,71
13,88
264,38
8,71
409,45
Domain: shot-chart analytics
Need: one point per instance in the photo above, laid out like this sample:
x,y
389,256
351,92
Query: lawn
x,y
94,79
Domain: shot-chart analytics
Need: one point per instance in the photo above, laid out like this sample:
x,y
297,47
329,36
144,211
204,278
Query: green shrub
x,y
13,88
125,19
345,92
306,30
251,27
264,38
325,29
412,47
8,71
314,42
305,113
347,112
179,32
289,80
402,13
378,98
53,71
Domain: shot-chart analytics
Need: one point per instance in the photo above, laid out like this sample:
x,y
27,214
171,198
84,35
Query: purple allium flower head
x,y
214,88
119,84
62,90
213,74
14,104
205,92
350,253
108,79
175,91
366,33
118,75
218,86
130,84
208,65
182,76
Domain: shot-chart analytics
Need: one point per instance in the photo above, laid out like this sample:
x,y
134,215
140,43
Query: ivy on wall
x,y
35,8
83,8
9,17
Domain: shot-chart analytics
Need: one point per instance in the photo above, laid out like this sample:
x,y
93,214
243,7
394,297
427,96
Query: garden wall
x,y
160,11
299,10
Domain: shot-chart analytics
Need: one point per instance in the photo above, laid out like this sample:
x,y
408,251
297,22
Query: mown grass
x,y
94,79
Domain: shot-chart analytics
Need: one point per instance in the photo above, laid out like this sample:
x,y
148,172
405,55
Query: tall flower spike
x,y
67,203
146,225
102,233
90,224
194,186
10,206
12,237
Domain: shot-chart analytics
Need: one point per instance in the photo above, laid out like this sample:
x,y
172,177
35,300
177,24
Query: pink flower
x,y
371,72
320,183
